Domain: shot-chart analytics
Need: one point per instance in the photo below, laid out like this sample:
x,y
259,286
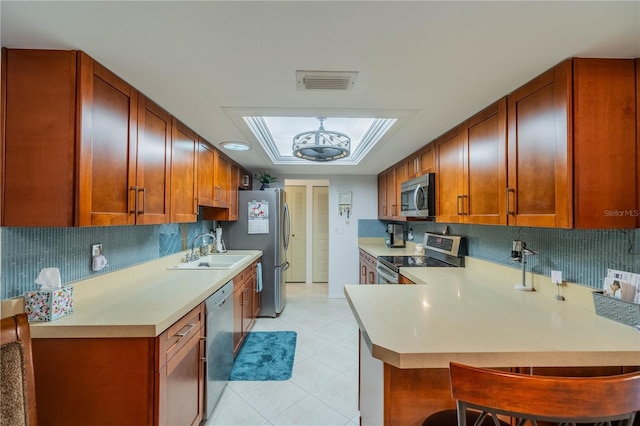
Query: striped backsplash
x,y
26,251
583,256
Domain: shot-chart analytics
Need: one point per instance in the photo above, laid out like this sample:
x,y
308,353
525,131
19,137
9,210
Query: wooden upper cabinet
x,y
572,147
391,190
39,137
382,195
221,181
449,176
184,149
421,162
108,145
401,172
206,164
232,198
153,164
81,144
485,166
605,144
540,181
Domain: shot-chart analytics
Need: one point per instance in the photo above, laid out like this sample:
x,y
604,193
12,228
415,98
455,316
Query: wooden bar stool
x,y
533,398
18,384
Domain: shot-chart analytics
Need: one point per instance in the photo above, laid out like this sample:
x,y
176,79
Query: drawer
x,y
179,334
244,275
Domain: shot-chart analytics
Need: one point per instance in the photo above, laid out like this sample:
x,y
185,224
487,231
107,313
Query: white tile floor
x,y
323,389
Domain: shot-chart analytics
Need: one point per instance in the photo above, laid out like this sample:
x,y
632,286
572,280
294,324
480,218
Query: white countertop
x,y
474,315
139,301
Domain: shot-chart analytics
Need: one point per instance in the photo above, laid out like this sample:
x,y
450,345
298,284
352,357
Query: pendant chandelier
x,y
321,144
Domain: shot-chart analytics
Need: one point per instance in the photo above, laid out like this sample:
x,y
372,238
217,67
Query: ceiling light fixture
x,y
321,144
235,146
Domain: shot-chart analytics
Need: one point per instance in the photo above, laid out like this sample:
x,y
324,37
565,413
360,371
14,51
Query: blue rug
x,y
265,355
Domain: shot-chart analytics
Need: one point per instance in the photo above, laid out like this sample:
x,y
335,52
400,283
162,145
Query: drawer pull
x,y
189,327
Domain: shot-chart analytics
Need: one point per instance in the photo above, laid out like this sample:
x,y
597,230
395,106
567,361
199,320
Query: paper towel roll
x,y
219,247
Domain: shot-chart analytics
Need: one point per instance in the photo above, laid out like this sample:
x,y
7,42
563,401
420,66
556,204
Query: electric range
x,y
443,251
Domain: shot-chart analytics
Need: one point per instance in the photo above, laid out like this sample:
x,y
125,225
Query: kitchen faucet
x,y
195,256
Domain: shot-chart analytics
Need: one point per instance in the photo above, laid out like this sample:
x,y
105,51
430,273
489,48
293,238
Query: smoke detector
x,y
326,80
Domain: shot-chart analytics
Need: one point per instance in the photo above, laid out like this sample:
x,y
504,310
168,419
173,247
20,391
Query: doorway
x,y
308,252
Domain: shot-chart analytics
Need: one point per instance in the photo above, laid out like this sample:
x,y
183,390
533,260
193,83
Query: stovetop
x,y
441,251
412,261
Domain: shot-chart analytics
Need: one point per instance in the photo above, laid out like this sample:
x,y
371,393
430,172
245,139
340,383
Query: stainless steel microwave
x,y
418,196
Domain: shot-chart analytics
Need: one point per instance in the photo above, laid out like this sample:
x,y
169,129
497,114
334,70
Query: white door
x,y
297,253
320,239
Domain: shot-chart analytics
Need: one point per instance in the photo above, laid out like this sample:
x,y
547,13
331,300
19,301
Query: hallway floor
x,y
323,389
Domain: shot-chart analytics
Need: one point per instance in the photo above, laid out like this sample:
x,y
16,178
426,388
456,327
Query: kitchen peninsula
x,y
473,315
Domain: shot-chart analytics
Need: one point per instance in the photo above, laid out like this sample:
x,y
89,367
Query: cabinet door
x,y
382,195
247,307
221,181
108,113
401,172
153,164
181,385
238,303
485,167
540,183
605,143
449,178
206,164
183,174
426,160
233,192
391,193
363,268
39,106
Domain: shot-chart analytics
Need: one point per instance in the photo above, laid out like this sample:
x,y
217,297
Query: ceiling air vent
x,y
326,80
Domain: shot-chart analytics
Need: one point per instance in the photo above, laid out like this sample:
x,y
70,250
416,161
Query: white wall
x,y
343,237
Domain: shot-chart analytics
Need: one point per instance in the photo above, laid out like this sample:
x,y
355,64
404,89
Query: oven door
x,y
386,275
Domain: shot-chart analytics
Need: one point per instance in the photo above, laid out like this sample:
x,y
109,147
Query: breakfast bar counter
x,y
472,315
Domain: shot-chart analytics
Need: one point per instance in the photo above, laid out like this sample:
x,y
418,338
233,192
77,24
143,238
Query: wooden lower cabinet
x,y
124,381
405,280
368,272
246,305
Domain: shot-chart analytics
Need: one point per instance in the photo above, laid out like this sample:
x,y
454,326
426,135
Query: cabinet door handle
x,y
134,189
371,277
458,198
363,270
144,200
188,327
465,211
509,211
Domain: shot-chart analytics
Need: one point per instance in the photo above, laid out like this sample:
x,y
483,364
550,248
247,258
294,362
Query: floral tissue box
x,y
48,305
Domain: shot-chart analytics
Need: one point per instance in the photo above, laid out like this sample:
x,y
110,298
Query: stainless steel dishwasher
x,y
219,350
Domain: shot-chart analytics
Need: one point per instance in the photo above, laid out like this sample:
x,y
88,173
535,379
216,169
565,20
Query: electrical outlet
x,y
96,249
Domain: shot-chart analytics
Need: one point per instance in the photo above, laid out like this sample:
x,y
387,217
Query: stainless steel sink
x,y
213,261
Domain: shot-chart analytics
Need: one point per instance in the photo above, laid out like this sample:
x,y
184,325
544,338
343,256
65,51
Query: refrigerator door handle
x,y
284,266
286,229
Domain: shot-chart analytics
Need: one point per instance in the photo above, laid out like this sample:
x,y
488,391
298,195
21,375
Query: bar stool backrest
x,y
545,398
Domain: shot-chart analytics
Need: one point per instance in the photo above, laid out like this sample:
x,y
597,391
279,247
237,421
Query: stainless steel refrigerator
x,y
264,224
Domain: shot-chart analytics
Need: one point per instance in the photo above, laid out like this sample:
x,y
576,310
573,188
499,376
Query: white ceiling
x,y
446,60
